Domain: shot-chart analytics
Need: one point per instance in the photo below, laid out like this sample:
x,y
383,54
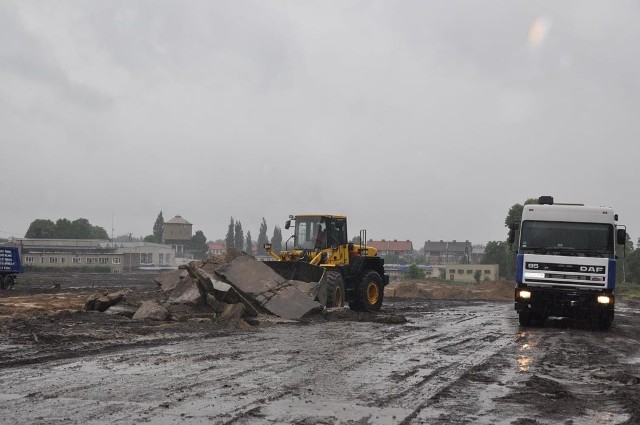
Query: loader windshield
x,y
310,233
565,238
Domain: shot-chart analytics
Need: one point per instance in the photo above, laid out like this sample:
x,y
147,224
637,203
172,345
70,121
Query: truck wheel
x,y
369,293
2,282
8,282
524,318
335,289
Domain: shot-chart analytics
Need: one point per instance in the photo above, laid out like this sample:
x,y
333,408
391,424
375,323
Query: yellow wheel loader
x,y
353,273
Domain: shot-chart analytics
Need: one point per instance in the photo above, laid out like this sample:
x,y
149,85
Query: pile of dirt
x,y
442,290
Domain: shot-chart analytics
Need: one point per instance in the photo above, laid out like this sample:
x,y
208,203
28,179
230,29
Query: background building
x,y
177,232
445,252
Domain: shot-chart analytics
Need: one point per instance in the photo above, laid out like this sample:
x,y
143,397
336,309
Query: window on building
x,y
460,271
452,271
167,258
469,271
53,260
62,260
28,259
116,261
42,259
91,260
75,260
115,271
103,260
160,258
486,271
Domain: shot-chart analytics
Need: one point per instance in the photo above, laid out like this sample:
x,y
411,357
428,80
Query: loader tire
x,y
335,289
369,293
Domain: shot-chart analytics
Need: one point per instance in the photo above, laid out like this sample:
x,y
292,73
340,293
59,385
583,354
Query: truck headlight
x,y
604,299
524,294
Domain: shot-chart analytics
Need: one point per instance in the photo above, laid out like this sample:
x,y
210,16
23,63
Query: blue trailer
x,y
10,266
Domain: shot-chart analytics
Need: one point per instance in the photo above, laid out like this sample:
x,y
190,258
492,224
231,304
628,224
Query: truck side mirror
x,y
621,236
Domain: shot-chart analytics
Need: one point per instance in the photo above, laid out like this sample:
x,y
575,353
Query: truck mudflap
x,y
545,302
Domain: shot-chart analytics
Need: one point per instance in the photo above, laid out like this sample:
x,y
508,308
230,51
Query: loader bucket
x,y
303,272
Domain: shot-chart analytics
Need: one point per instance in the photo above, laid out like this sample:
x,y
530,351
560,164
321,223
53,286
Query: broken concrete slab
x,y
151,310
186,292
232,311
269,289
101,301
169,280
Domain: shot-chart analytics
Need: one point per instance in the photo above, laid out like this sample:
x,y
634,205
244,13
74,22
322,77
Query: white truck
x,y
566,262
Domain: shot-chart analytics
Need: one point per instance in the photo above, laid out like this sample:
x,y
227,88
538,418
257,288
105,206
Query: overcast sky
x,y
417,119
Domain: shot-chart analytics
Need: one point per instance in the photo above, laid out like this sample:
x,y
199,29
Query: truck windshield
x,y
308,232
564,238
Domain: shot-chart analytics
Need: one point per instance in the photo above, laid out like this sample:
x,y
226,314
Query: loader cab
x,y
318,232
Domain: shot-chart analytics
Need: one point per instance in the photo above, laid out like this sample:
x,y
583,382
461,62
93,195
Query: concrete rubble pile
x,y
235,288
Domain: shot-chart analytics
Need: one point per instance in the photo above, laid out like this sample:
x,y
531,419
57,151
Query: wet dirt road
x,y
453,362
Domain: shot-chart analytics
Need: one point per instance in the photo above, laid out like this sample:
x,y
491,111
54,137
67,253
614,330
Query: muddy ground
x,y
461,358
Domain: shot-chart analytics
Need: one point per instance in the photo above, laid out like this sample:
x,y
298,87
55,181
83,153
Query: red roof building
x,y
402,249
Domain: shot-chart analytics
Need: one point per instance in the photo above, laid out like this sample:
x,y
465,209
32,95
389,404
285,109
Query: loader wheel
x,y
369,293
335,289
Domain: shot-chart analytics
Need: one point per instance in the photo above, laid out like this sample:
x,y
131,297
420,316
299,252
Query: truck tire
x,y
8,282
369,293
335,289
2,282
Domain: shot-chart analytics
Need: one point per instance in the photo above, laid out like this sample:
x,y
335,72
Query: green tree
x,y
262,238
41,229
415,272
356,240
276,239
477,275
158,228
98,232
230,239
63,228
238,237
198,245
80,229
498,252
248,245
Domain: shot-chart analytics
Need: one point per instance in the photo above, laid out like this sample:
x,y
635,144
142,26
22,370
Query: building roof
x,y
446,246
177,220
217,246
394,245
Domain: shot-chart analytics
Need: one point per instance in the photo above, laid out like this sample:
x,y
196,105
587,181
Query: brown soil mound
x,y
437,290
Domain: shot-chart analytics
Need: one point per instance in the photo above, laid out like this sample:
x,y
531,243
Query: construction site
x,y
227,340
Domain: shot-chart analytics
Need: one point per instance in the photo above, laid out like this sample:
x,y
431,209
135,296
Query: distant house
x,y
445,252
217,248
477,252
177,232
465,272
402,249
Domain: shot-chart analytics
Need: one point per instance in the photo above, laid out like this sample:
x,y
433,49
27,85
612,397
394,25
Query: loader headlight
x,y
267,246
604,299
524,294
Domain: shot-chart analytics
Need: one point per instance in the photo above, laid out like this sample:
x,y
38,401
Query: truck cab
x,y
566,262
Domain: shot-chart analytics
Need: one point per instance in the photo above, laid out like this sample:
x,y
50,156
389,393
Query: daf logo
x,y
592,269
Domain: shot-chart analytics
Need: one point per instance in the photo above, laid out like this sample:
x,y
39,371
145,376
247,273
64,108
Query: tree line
x,y
235,238
64,228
